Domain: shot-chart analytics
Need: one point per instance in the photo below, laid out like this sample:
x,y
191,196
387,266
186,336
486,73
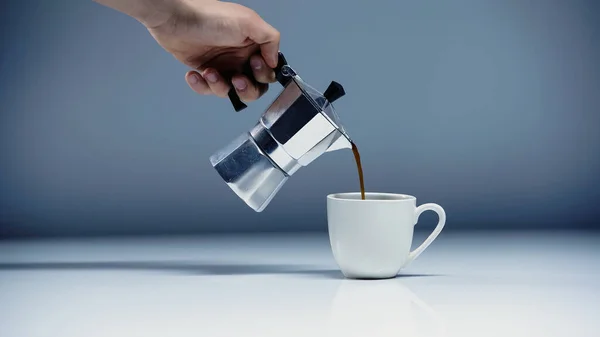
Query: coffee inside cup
x,y
371,196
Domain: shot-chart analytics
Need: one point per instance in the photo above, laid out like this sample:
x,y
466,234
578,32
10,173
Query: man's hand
x,y
215,38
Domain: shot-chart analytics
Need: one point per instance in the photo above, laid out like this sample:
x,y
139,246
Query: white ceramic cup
x,y
371,238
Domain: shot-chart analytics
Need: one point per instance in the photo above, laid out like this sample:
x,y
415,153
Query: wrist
x,y
151,13
155,13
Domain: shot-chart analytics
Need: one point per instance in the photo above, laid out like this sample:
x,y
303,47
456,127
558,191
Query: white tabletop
x,y
488,284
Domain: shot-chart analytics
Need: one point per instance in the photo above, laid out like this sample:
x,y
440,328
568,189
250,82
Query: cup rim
x,y
395,197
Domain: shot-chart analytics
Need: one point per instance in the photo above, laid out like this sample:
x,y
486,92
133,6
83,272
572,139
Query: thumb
x,y
266,36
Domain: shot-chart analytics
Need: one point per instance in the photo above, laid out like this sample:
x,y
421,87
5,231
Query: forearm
x,y
150,13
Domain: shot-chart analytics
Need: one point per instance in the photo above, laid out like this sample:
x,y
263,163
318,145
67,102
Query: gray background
x,y
489,108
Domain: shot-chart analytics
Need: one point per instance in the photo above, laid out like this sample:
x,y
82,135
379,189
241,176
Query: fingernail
x,y
193,78
256,63
239,84
211,77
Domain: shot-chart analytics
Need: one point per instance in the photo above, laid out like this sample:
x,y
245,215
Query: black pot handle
x,y
283,79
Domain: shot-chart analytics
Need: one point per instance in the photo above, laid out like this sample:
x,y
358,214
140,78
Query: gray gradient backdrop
x,y
489,108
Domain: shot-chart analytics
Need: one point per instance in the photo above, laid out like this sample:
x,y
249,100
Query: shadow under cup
x,y
371,238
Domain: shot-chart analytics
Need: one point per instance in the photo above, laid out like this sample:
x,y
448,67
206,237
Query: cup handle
x,y
438,228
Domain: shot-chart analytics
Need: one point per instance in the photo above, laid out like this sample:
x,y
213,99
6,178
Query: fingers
x,y
207,84
215,82
269,51
264,34
262,73
197,83
246,90
210,82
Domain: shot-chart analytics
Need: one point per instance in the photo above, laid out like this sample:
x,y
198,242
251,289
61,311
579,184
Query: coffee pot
x,y
299,126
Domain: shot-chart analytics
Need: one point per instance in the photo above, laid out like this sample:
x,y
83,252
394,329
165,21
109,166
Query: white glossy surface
x,y
372,238
535,284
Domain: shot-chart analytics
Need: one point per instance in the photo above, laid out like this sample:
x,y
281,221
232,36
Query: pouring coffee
x,y
298,127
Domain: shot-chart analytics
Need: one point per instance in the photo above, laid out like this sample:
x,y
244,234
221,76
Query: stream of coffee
x,y
360,170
